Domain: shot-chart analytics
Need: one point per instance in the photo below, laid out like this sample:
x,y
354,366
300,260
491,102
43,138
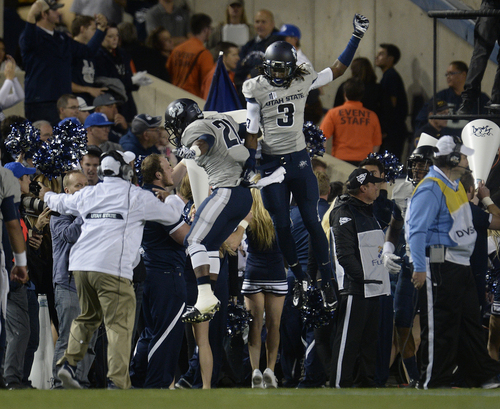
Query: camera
x,y
33,205
35,188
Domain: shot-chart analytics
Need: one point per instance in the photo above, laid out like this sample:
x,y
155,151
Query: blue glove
x,y
251,161
360,24
185,152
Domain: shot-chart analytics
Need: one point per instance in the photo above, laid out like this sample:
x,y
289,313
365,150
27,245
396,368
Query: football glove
x,y
392,262
360,24
185,152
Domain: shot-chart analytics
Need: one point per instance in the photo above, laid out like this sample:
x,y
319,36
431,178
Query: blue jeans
x,y
68,308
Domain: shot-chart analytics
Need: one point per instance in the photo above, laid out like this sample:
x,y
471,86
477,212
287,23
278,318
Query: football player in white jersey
x,y
275,104
215,145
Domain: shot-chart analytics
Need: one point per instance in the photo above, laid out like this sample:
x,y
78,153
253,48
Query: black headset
x,y
453,159
126,172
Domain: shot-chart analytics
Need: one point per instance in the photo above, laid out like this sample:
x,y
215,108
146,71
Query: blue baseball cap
x,y
73,119
97,119
289,30
18,169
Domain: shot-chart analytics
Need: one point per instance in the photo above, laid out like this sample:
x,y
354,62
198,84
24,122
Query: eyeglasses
x,y
73,107
450,73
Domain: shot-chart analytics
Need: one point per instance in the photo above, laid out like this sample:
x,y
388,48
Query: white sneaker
x,y
270,379
257,379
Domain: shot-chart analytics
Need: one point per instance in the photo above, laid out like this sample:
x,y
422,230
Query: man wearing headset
x,y
114,213
441,236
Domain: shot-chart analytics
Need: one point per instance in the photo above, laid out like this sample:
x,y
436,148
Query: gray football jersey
x,y
9,186
224,161
281,111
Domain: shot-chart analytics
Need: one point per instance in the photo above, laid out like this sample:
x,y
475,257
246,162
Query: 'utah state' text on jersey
x,y
282,111
224,161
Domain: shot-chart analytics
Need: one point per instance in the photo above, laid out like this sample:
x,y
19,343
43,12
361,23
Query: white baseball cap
x,y
446,145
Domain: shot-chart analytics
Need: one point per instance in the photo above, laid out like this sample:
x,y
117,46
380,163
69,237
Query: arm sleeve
x,y
346,244
9,210
8,99
66,229
253,116
64,203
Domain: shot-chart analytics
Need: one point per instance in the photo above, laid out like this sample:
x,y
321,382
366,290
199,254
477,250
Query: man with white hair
x,y
102,261
442,236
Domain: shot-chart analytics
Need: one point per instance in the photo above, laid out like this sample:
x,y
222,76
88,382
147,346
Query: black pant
x,y
355,344
451,330
486,34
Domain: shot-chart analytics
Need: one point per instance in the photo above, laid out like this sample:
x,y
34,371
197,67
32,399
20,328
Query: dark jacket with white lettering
x,y
349,217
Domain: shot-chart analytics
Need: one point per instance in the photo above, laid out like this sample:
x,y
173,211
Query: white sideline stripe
x,y
430,319
343,341
167,331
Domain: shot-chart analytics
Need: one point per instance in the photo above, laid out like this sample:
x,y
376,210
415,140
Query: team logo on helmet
x,y
175,110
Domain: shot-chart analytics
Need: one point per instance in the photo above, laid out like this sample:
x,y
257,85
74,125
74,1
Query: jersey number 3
x,y
288,110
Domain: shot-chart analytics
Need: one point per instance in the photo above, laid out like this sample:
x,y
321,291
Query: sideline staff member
x,y
442,237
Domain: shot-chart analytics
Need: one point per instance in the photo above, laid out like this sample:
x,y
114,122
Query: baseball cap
x,y
289,30
97,119
18,169
108,162
105,99
53,4
82,105
446,145
143,122
440,106
360,177
238,2
73,119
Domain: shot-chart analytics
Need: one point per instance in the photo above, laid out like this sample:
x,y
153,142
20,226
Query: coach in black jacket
x,y
362,278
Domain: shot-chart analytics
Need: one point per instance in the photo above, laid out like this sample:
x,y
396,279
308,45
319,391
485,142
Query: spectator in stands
x,y
160,40
83,68
108,105
190,62
98,127
45,129
67,106
47,57
143,135
434,127
252,53
234,28
112,62
11,92
83,109
230,58
396,133
175,19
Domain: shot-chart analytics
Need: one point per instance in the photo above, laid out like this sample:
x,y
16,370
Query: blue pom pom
x,y
238,319
392,167
62,151
314,314
23,138
315,140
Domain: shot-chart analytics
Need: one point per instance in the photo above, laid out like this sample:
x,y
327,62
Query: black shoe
x,y
492,383
413,384
466,107
329,297
15,385
193,316
299,299
67,375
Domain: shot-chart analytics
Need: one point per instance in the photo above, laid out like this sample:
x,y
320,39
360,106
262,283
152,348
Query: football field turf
x,y
387,398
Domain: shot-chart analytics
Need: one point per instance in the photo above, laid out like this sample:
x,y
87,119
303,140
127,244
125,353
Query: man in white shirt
x,y
103,258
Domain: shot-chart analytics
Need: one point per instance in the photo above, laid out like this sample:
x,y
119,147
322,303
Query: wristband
x,y
348,54
243,224
388,247
196,150
20,259
487,201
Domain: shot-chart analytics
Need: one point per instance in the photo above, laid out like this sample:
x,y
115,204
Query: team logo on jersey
x,y
176,110
361,178
344,220
272,95
302,164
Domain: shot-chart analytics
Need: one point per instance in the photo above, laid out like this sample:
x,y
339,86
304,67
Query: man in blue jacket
x,y
47,56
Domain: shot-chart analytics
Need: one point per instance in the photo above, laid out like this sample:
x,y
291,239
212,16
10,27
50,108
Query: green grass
x,y
388,398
